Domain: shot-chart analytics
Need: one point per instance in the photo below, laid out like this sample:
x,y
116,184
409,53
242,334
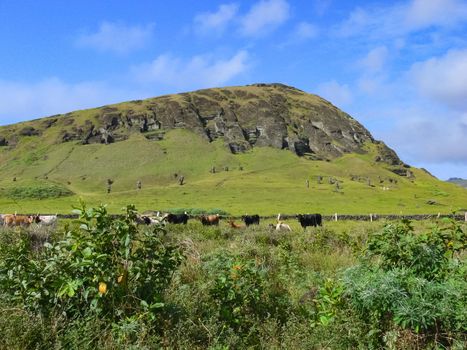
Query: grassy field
x,y
264,180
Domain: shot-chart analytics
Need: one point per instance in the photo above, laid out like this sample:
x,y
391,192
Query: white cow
x,y
282,227
48,220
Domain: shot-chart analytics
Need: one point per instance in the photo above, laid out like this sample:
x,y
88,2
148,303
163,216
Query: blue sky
x,y
398,67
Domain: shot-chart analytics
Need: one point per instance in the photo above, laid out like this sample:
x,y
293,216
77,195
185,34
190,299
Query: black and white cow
x,y
177,218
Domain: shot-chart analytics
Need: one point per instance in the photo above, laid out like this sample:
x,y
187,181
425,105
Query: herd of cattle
x,y
213,220
13,220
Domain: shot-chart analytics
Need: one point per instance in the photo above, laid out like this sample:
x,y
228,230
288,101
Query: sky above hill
x,y
398,67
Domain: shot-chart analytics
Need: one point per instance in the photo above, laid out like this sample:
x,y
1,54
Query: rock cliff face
x,y
273,115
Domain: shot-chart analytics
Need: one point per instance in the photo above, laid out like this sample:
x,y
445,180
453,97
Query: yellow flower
x,y
120,279
102,288
237,267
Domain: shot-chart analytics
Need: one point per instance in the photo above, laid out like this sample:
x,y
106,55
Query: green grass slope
x,y
263,180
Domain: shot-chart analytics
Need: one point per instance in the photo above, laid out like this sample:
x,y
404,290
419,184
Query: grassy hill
x,y
39,174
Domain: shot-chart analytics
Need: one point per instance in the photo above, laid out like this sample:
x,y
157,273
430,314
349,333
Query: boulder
x,y
29,131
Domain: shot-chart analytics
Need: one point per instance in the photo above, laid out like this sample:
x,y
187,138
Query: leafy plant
x,y
237,289
106,266
425,254
414,281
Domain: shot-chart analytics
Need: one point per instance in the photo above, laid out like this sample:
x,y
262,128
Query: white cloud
x,y
198,72
117,38
22,101
375,59
335,93
423,134
443,78
215,22
403,18
264,16
430,140
426,13
370,84
373,79
305,31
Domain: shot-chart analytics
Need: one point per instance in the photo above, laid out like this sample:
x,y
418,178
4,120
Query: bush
x,y
416,282
38,192
106,267
427,254
244,295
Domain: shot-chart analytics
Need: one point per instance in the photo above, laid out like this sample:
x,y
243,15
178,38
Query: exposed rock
x,y
387,155
272,115
106,136
238,147
47,123
68,120
301,147
402,171
29,131
66,137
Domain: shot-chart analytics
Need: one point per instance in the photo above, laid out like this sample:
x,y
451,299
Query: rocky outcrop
x,y
29,131
259,115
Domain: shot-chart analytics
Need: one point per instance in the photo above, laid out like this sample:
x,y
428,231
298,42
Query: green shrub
x,y
245,294
237,289
38,192
416,282
106,267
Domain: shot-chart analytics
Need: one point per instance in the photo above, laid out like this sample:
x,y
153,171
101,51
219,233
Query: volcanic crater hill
x,y
262,148
244,117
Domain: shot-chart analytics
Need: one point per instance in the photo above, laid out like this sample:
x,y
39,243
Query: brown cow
x,y
11,220
210,220
234,225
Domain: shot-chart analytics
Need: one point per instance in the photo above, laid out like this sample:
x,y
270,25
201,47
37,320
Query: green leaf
x,y
87,252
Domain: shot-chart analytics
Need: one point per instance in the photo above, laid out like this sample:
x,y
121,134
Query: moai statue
x,y
138,184
109,185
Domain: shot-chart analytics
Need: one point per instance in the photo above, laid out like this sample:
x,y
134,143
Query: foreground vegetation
x,y
108,283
